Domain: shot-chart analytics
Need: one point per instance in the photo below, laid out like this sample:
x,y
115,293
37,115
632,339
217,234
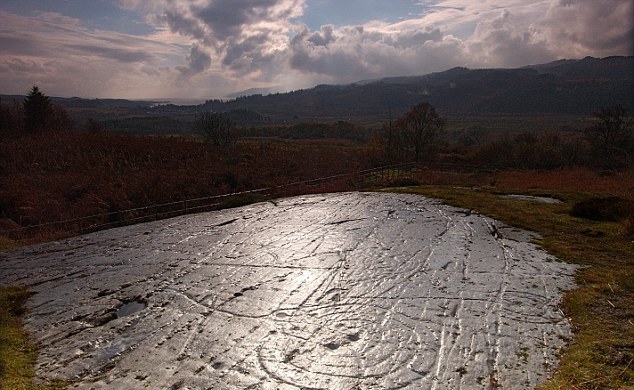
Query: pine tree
x,y
38,110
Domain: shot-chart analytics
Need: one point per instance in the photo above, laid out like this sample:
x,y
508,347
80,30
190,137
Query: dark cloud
x,y
198,61
323,37
240,55
244,34
20,45
185,25
598,27
226,19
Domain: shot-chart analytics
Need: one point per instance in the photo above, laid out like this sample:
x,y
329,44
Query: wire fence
x,y
345,181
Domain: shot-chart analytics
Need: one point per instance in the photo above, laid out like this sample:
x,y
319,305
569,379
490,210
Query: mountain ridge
x,y
562,87
572,87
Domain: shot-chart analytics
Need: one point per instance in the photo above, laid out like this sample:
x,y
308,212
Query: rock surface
x,y
338,291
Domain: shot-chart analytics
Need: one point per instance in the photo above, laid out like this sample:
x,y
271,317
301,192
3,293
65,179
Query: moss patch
x,y
17,354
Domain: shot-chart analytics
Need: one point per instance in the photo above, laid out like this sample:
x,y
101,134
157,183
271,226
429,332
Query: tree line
x,y
421,134
414,136
35,114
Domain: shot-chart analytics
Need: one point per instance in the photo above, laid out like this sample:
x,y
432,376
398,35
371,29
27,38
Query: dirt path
x,y
341,291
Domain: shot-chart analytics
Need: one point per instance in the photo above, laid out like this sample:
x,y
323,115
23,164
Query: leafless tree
x,y
215,127
421,127
612,132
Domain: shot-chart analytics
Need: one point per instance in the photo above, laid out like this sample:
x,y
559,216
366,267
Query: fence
x,y
341,182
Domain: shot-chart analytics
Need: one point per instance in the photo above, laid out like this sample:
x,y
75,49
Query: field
x,y
52,182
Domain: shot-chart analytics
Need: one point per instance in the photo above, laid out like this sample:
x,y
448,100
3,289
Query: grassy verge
x,y
17,354
602,309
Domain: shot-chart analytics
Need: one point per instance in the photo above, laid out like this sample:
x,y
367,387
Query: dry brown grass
x,y
575,179
64,176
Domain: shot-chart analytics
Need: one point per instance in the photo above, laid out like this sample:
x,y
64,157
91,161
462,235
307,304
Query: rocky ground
x,y
338,291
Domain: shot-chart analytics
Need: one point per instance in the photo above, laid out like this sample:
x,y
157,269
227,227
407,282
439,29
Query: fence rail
x,y
85,224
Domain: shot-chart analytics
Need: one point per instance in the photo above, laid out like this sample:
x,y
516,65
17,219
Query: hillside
x,y
571,87
564,87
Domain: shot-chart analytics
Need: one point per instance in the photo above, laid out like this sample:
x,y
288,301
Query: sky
x,y
200,49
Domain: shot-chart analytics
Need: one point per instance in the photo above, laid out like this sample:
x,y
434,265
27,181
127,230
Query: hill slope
x,y
564,87
561,87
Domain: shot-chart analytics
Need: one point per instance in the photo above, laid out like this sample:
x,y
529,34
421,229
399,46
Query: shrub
x,y
405,182
629,223
612,208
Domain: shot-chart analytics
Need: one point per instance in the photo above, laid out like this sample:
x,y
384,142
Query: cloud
x,y
465,33
17,66
599,27
246,35
206,48
112,53
508,40
335,58
199,61
67,59
357,52
323,37
521,31
226,20
16,45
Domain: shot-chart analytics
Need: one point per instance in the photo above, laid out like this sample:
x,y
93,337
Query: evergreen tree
x,y
38,110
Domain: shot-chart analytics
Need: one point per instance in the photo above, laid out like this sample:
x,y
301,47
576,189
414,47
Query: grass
x,y
6,244
601,309
17,354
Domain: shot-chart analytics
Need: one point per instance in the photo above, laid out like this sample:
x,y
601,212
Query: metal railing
x,y
349,181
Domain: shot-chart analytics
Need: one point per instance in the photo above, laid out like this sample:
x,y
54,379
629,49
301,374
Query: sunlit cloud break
x,y
209,48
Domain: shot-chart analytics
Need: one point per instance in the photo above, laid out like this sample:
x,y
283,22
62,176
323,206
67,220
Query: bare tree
x,y
421,126
215,127
612,131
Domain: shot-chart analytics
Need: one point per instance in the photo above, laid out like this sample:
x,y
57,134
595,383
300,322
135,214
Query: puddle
x,y
129,308
530,198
